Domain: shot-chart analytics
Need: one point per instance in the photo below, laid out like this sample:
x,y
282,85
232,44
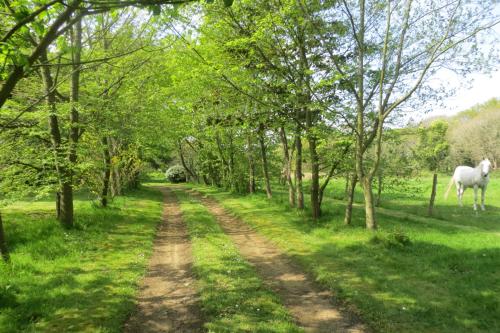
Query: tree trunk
x,y
311,138
350,199
3,245
265,168
66,214
107,172
116,173
52,33
288,168
64,175
369,207
75,94
433,193
251,166
379,189
58,205
189,173
347,182
315,203
298,169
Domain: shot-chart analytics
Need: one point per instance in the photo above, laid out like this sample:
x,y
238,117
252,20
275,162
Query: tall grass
x,y
80,280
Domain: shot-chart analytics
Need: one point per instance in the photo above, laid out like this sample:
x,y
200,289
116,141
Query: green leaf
x,y
156,10
228,3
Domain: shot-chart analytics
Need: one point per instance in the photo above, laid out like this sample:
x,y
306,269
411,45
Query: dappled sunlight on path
x,y
167,300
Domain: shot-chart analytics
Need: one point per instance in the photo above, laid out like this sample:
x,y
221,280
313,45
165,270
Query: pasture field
x,y
80,280
415,274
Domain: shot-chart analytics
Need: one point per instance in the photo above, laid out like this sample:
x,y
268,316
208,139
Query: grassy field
x,y
233,297
415,274
82,280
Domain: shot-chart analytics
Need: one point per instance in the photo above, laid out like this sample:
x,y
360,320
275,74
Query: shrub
x,y
175,174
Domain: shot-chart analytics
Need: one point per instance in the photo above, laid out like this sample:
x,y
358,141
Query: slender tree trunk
x,y
116,176
226,167
369,205
347,182
107,172
326,182
288,168
66,190
3,244
251,166
58,205
265,167
189,173
379,189
75,94
311,138
350,198
433,194
234,183
298,169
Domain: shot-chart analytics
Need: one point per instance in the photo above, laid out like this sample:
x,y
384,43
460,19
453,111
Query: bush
x,y
175,174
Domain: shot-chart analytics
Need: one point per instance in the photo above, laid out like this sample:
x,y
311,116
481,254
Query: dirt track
x,y
167,301
311,307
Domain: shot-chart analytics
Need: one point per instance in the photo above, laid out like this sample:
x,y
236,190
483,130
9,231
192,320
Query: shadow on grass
x,y
455,290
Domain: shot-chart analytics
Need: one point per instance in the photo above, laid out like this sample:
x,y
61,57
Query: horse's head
x,y
485,167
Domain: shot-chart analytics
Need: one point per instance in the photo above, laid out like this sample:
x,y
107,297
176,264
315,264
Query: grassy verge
x,y
407,277
81,280
233,297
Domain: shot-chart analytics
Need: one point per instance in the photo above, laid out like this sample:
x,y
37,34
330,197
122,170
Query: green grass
x,y
412,197
81,280
446,279
233,297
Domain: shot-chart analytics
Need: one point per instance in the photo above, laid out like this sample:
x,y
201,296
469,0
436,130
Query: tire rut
x,y
168,301
311,306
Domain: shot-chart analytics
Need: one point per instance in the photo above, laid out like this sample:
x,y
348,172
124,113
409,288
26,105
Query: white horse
x,y
465,177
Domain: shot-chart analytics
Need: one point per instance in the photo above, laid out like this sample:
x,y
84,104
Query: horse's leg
x,y
460,190
475,197
483,189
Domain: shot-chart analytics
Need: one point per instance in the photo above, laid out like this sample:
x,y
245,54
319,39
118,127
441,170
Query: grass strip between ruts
x,y
233,297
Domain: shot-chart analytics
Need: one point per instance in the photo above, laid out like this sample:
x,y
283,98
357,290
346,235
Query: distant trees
x,y
475,134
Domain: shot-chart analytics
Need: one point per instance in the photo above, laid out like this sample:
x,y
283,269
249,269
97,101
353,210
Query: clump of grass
x,y
234,299
393,240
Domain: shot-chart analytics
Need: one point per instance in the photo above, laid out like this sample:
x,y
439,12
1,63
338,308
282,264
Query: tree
x,y
398,47
433,149
475,134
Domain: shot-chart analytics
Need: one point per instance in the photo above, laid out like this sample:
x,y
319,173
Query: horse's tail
x,y
449,187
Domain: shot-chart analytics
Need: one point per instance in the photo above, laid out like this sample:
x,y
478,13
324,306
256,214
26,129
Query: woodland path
x,y
312,307
167,300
